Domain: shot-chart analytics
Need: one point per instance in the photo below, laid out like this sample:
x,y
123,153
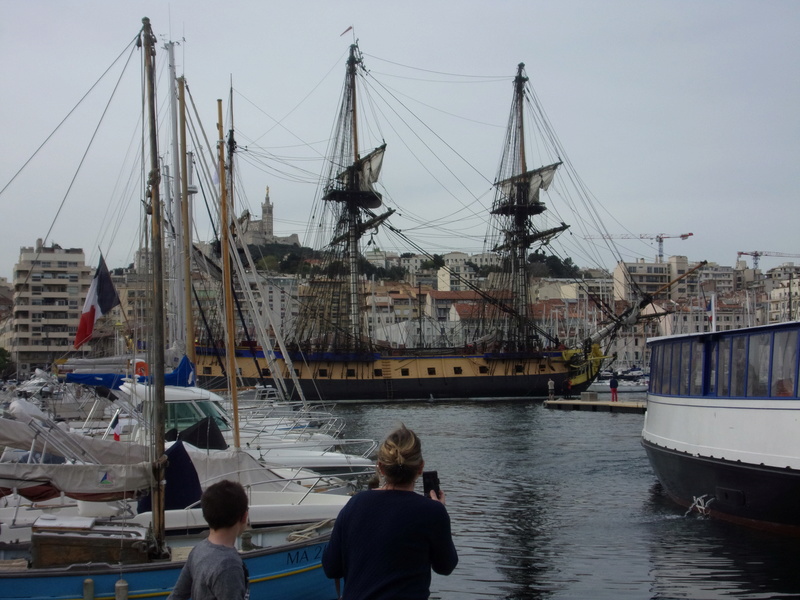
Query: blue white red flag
x,y
102,297
116,427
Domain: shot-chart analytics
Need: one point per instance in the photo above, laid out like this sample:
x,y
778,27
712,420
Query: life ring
x,y
141,368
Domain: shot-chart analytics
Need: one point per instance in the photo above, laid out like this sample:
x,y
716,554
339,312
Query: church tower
x,y
266,216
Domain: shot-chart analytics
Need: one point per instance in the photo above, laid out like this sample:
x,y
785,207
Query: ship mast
x,y
516,202
520,217
349,195
352,209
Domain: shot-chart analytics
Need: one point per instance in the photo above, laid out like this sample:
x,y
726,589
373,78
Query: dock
x,y
588,401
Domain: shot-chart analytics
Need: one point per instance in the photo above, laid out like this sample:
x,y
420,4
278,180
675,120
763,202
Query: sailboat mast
x,y
159,400
227,280
186,250
178,326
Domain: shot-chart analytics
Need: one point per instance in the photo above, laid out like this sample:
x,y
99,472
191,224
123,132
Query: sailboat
x,y
89,557
507,355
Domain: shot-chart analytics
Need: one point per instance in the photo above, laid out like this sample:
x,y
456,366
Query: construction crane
x,y
659,237
756,254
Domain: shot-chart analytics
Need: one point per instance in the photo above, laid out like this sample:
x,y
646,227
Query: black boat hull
x,y
754,495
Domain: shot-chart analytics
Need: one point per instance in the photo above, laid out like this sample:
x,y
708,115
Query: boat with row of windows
x,y
721,428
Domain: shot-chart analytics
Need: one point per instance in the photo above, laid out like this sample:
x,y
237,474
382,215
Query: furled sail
x,y
529,183
356,182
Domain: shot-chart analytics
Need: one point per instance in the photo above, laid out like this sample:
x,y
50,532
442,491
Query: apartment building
x,y
784,300
632,277
50,287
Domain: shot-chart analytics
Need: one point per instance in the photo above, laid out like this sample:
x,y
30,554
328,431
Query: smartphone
x,y
430,481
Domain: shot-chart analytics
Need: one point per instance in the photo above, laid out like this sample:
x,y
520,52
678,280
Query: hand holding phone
x,y
430,482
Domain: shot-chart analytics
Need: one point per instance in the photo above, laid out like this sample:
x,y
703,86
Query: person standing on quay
x,y
551,389
613,384
386,541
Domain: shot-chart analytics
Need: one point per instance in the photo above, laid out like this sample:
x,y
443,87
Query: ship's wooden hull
x,y
395,378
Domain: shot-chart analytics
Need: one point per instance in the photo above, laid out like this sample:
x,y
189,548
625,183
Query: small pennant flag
x,y
346,30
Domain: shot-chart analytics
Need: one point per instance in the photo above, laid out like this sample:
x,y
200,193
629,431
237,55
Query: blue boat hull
x,y
291,572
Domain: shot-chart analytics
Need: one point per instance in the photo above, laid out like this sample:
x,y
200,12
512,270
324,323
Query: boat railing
x,y
265,443
292,427
51,434
307,482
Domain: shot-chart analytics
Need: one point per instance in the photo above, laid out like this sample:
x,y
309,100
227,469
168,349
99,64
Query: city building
x,y
50,287
784,300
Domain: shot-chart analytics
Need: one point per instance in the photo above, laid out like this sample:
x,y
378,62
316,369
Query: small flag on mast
x,y
345,31
102,297
116,427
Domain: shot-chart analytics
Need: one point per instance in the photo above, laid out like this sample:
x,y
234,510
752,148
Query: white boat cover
x,y
19,435
96,483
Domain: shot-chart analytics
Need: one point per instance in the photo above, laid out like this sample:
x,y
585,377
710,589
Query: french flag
x,y
116,428
101,299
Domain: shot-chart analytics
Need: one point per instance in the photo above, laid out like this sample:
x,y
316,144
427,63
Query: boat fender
x,y
121,590
88,589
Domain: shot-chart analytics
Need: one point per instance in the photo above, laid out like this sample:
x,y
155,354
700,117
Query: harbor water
x,y
550,504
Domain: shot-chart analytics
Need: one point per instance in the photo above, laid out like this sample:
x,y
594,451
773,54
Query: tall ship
x,y
506,353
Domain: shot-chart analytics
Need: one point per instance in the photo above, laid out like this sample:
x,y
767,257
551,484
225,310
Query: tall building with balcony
x,y
649,277
50,287
631,278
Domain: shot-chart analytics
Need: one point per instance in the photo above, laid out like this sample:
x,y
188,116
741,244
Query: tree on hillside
x,y
437,262
542,265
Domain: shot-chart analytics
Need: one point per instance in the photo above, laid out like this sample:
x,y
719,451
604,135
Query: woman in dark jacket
x,y
386,541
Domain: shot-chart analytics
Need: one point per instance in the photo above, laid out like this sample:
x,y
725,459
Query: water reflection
x,y
698,557
562,505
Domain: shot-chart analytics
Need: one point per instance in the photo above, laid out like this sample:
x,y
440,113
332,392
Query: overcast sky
x,y
679,116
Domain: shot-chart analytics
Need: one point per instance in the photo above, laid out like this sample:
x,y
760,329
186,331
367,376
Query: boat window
x,y
712,369
758,364
662,384
457,370
483,369
738,359
265,372
206,370
212,409
724,368
182,415
404,372
378,372
686,367
351,372
323,372
662,376
784,363
519,368
431,370
696,370
655,375
675,370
